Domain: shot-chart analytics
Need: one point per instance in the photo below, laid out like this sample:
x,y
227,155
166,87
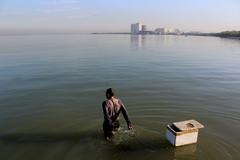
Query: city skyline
x,y
138,28
108,16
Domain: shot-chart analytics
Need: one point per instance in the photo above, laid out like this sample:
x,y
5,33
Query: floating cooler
x,y
183,133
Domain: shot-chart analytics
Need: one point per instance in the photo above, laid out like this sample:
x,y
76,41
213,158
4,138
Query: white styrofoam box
x,y
183,133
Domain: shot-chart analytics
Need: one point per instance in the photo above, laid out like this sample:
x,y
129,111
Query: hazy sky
x,y
117,15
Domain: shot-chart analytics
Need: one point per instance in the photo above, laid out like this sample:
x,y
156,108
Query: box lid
x,y
188,125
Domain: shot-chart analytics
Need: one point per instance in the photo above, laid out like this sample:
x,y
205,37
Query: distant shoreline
x,y
227,34
110,33
184,34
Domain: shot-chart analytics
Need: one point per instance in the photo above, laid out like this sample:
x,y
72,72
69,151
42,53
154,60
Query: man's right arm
x,y
125,115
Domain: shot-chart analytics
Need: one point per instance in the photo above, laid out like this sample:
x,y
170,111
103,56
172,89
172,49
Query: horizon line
x,y
8,31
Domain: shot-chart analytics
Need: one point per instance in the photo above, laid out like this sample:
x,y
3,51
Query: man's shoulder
x,y
105,102
120,101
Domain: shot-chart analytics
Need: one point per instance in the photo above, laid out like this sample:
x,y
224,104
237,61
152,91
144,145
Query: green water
x,y
52,87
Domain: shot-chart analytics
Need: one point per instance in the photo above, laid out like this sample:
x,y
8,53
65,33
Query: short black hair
x,y
109,93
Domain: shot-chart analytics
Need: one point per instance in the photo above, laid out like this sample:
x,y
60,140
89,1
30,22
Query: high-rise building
x,y
177,31
161,30
136,28
144,28
170,31
167,31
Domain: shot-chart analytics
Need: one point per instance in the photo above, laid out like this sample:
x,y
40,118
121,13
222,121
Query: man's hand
x,y
130,126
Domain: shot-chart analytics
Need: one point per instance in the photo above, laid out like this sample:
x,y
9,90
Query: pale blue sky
x,y
117,15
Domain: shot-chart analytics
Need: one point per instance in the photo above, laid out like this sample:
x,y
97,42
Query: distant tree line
x,y
228,34
225,34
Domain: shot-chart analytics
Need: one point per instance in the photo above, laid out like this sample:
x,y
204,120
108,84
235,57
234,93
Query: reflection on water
x,y
51,89
138,41
186,151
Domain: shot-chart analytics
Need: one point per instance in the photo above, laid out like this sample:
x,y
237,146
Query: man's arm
x,y
106,116
125,115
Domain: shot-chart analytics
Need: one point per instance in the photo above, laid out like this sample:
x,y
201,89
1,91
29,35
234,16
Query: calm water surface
x,y
52,87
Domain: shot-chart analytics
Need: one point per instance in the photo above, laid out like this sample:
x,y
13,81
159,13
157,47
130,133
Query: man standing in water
x,y
112,108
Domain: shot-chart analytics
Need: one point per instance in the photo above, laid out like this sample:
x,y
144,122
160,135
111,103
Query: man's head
x,y
109,93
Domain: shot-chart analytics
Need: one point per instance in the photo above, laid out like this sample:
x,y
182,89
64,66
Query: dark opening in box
x,y
175,128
